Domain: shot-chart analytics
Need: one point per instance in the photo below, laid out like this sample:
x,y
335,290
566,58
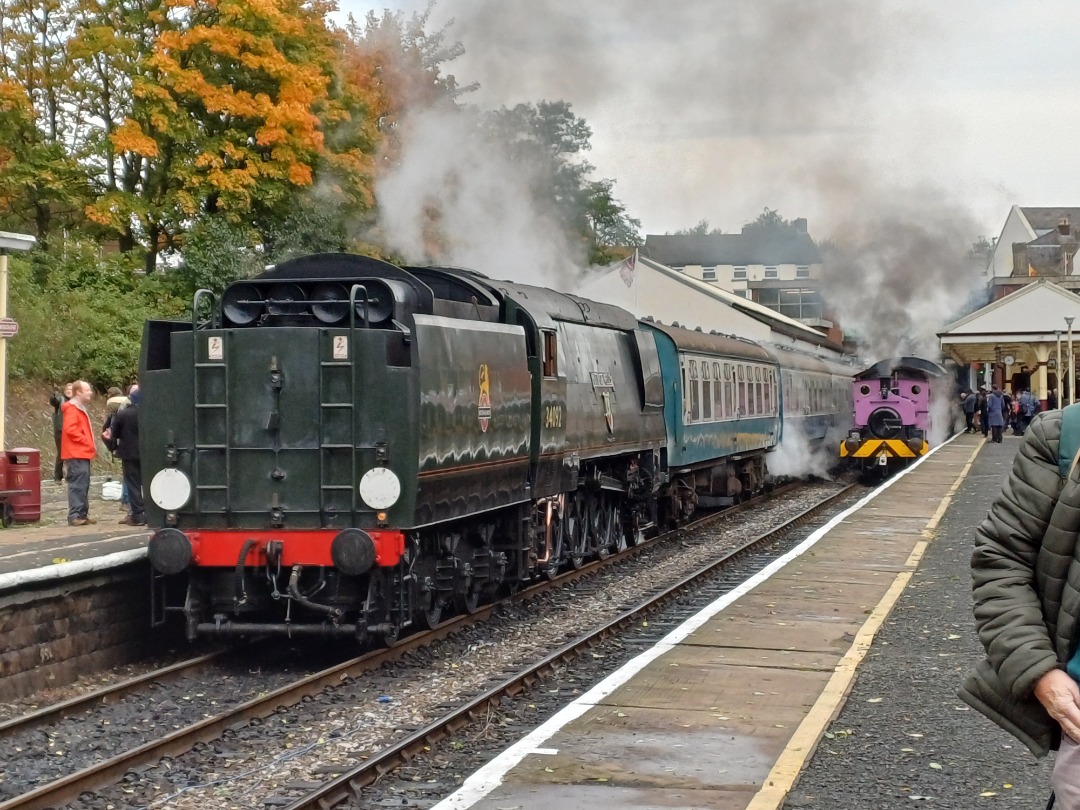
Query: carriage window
x,y
717,395
742,390
551,356
695,392
759,396
706,393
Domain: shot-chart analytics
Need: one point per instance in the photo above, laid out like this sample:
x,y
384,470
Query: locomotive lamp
x,y
8,243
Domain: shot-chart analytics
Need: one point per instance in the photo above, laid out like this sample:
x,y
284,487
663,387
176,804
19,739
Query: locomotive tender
x,y
349,448
892,413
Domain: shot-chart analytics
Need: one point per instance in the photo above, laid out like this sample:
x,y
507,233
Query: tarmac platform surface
x,y
828,682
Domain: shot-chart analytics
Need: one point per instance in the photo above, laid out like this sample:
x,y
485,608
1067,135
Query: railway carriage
x,y
816,395
721,412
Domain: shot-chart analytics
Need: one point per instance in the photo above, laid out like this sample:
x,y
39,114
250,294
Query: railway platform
x,y
827,681
47,549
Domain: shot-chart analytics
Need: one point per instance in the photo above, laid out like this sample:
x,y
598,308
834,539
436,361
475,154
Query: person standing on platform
x,y
124,441
1028,407
983,422
56,400
1025,570
971,407
995,414
78,449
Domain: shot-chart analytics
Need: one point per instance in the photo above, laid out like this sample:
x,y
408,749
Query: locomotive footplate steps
x,y
724,711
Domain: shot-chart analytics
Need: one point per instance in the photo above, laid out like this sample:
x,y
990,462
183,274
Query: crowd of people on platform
x,y
992,412
76,447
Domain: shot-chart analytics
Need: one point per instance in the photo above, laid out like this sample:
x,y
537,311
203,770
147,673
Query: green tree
x,y
42,188
547,140
217,252
701,229
770,221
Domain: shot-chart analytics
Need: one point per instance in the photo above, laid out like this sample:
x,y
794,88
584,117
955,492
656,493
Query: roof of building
x,y
1043,219
782,246
777,322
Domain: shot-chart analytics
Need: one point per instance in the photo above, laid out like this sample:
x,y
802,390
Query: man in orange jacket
x,y
78,449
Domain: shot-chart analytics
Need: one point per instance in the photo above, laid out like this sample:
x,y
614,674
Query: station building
x,y
1025,336
779,269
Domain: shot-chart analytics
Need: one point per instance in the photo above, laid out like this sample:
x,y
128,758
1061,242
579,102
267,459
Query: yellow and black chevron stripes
x,y
872,448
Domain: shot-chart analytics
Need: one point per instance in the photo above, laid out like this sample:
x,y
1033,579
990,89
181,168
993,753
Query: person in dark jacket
x,y
1026,586
971,407
124,442
995,413
57,400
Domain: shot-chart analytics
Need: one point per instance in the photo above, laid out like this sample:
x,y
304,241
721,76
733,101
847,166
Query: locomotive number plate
x,y
553,416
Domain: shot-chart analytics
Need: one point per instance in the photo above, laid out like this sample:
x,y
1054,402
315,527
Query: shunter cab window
x,y
551,355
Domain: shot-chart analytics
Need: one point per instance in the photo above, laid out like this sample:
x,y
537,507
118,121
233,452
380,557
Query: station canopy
x,y
1023,325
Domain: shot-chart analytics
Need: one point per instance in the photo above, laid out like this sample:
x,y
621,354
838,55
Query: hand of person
x,y
1060,694
106,434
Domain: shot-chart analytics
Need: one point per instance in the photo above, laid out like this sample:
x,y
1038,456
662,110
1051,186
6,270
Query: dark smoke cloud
x,y
749,103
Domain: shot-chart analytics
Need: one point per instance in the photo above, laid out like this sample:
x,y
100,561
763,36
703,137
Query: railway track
x,y
347,787
67,789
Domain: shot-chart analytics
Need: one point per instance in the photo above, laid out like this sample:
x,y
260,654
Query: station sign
x,y
9,327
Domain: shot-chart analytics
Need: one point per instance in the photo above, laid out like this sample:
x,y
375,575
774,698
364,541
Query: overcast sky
x,y
715,109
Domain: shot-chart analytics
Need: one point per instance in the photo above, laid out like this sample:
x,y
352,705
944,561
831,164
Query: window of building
x,y
771,272
802,271
708,273
742,293
799,303
768,298
739,272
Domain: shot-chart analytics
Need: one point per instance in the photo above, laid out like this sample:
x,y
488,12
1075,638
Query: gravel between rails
x,y
258,764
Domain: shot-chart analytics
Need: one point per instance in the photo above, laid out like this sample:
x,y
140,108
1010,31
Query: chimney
x,y
799,224
1063,226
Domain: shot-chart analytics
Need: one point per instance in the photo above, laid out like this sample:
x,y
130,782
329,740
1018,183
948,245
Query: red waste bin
x,y
24,472
3,471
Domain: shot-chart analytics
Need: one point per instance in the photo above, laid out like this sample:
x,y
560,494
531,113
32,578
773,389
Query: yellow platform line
x,y
793,758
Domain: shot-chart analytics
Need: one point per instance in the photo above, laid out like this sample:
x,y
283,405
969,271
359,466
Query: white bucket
x,y
110,490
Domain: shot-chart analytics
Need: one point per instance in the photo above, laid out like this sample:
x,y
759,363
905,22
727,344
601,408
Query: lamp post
x,y
1070,369
1057,360
8,242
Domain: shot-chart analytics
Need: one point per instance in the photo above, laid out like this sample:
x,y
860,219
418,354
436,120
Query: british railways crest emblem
x,y
483,409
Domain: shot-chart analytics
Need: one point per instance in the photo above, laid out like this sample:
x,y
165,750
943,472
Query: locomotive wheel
x,y
432,617
467,602
550,569
598,527
577,531
388,638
